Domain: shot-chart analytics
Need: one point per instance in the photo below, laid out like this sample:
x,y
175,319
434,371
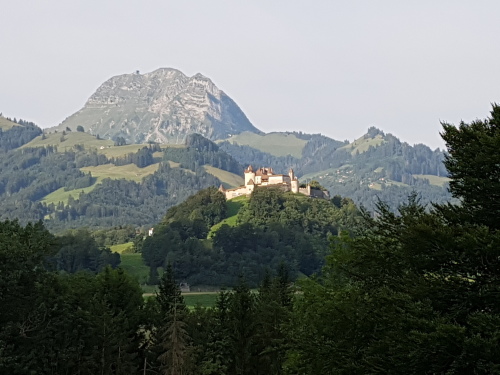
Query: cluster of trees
x,y
78,251
417,292
273,227
200,151
18,135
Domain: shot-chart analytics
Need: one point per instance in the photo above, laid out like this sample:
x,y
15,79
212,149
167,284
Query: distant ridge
x,y
162,106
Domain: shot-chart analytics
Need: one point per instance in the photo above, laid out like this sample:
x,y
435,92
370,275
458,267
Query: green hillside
x,y
128,172
433,180
362,144
233,208
277,144
68,141
228,179
6,124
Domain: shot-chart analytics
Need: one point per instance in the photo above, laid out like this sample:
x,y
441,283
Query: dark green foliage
x,y
208,205
54,324
120,141
200,151
473,163
415,292
274,227
79,251
80,128
18,135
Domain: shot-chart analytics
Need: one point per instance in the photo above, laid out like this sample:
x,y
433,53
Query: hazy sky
x,y
330,67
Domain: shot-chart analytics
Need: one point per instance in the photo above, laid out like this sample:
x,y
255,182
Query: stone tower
x,y
249,175
294,181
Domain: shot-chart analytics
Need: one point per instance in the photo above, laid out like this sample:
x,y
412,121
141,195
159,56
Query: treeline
x,y
271,229
200,151
18,135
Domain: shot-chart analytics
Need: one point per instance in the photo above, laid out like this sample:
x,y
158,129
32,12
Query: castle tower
x,y
294,181
249,175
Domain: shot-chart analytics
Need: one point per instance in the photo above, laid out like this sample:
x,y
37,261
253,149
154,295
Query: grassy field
x,y
233,208
361,145
132,263
120,248
433,180
128,172
228,179
277,144
205,299
70,140
6,124
62,196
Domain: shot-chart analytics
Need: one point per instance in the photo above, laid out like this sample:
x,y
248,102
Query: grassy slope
x,y
277,144
70,140
361,144
62,196
6,124
128,172
433,180
121,247
133,264
228,179
233,208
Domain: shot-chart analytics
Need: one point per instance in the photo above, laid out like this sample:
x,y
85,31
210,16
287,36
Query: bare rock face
x,y
162,106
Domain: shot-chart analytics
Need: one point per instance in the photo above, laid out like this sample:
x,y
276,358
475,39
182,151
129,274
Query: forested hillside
x,y
375,166
409,292
14,133
268,229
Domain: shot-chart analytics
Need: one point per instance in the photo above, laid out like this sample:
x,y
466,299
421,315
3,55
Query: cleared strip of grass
x,y
128,172
277,144
206,299
120,248
62,196
433,180
69,141
228,179
362,144
133,264
233,208
6,124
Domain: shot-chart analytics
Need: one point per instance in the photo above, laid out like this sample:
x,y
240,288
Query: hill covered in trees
x,y
268,229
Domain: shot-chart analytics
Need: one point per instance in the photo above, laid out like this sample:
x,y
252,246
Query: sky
x,y
331,67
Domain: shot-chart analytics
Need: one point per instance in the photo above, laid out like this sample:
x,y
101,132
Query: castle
x,y
266,177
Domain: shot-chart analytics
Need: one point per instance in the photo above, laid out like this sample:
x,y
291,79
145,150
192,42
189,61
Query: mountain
x,y
162,106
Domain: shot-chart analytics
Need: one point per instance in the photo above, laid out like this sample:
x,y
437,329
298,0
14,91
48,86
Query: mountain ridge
x,y
160,106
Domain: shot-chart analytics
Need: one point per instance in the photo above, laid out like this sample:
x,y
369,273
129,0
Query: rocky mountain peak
x,y
161,106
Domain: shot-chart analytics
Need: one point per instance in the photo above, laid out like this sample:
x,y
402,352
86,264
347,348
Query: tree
x,y
170,340
473,164
416,291
80,129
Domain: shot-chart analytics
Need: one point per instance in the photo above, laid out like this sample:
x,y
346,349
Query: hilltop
x,y
161,106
